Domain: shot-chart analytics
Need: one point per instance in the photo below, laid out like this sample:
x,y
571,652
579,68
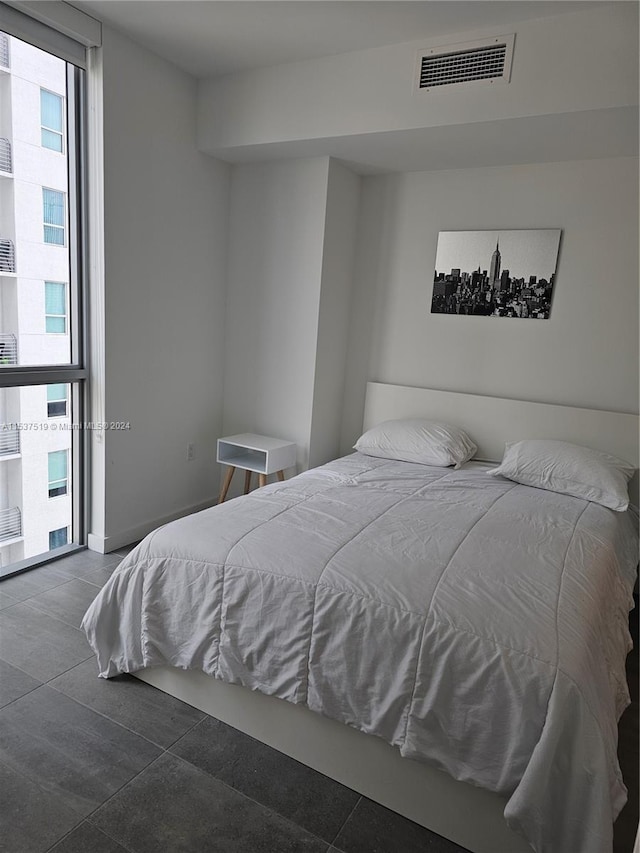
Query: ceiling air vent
x,y
486,61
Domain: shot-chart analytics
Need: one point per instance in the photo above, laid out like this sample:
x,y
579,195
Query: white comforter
x,y
474,623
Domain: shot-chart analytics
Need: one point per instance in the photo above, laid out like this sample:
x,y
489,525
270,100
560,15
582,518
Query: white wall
x,y
291,256
166,225
277,220
586,354
340,228
262,297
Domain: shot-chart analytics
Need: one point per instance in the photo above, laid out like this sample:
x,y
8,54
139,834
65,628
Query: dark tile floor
x,y
90,766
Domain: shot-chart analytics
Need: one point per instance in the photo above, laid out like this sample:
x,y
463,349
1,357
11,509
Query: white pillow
x,y
418,440
570,469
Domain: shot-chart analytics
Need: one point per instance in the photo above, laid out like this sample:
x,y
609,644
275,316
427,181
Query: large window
x,y
51,120
55,307
43,371
53,216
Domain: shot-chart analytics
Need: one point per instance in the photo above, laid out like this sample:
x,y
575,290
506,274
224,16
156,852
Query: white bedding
x,y
474,623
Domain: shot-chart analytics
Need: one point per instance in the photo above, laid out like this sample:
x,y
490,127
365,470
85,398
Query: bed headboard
x,y
491,421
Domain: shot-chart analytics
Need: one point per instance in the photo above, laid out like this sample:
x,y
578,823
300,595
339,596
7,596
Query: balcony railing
x,y
4,51
7,256
6,164
10,523
9,441
8,349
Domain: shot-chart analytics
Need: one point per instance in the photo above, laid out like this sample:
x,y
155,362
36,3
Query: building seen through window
x,y
40,263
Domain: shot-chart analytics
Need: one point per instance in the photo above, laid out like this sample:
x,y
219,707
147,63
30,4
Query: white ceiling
x,y
208,38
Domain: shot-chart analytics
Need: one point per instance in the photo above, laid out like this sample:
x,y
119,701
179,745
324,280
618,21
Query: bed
x,y
442,640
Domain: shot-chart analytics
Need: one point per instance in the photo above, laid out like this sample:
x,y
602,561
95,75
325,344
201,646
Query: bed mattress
x,y
473,623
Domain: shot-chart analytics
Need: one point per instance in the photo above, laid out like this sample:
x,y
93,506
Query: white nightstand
x,y
254,454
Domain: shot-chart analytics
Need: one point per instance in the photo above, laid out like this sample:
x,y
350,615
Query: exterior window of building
x,y
51,120
55,307
58,473
53,216
58,538
56,401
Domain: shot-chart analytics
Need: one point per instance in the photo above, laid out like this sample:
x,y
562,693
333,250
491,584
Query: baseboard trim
x,y
106,544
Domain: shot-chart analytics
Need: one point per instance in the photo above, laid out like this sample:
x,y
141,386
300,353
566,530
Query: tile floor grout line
x,y
37,784
65,579
344,823
61,573
74,578
44,591
78,578
22,695
188,732
64,671
24,775
247,797
50,615
113,565
93,826
62,838
31,595
85,817
122,844
217,778
203,773
88,816
36,678
24,671
106,716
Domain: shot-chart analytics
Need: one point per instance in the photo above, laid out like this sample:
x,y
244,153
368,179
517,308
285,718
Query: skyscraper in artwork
x,y
494,269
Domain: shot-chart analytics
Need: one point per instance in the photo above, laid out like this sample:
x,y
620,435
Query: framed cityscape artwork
x,y
496,273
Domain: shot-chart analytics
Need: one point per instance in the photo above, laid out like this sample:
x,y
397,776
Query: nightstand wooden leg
x,y
227,483
262,479
280,475
247,482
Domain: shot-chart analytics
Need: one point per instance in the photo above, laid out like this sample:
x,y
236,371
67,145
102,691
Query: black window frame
x,y
75,374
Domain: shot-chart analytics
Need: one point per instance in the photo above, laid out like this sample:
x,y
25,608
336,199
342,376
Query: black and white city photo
x,y
496,273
